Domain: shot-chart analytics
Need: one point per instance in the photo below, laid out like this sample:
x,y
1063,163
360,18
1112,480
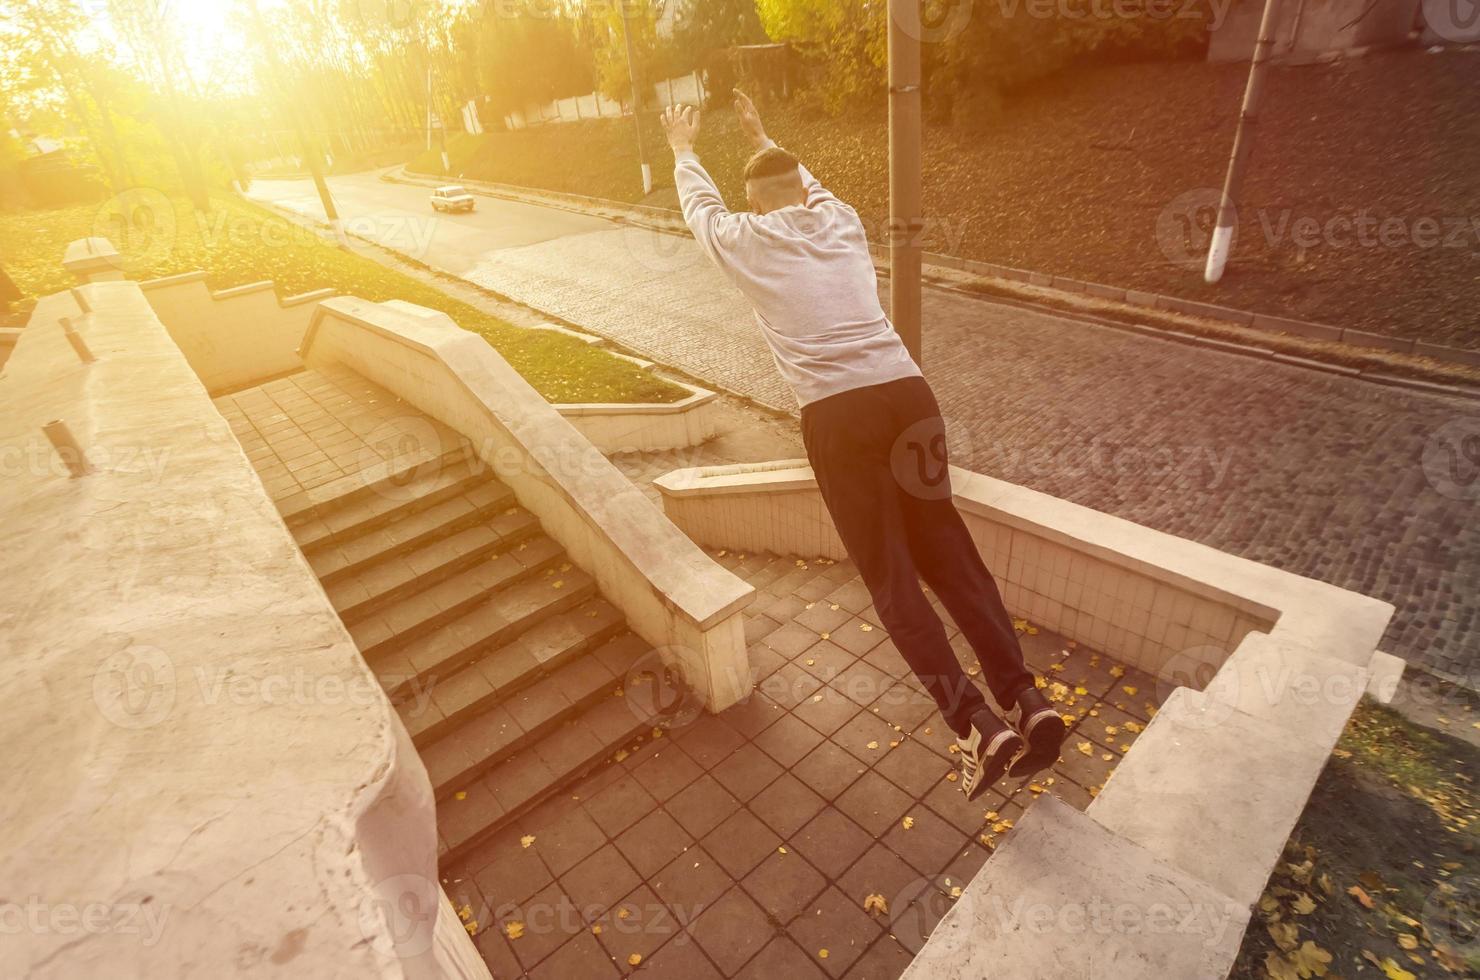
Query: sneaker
x,y
986,752
1043,731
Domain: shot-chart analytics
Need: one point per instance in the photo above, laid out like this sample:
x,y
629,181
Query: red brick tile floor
x,y
746,843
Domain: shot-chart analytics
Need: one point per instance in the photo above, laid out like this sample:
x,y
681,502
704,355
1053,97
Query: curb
x,y
1264,322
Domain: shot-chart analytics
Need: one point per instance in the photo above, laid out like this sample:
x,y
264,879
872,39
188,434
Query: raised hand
x,y
750,120
681,124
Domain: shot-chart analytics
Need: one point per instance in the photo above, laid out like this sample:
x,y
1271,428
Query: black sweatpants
x,y
879,454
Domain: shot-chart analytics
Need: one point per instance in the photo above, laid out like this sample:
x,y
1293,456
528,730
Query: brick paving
x,y
307,430
745,843
1324,476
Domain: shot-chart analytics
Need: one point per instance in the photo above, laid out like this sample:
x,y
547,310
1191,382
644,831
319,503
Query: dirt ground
x,y
1383,871
1360,208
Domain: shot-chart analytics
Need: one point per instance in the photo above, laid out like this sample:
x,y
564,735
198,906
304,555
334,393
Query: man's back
x,y
807,271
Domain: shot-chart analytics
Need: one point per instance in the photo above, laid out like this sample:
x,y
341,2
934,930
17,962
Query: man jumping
x,y
874,436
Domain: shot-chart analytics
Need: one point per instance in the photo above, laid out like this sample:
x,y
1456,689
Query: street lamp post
x,y
647,172
1243,145
904,172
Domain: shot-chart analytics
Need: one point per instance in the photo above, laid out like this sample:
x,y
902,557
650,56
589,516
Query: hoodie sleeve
x,y
715,227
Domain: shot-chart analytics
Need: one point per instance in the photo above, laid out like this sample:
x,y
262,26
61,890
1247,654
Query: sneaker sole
x,y
992,764
1043,738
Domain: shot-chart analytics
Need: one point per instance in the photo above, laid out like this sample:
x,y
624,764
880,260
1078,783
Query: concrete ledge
x,y
616,427
9,337
233,337
1146,597
1300,328
202,748
1063,897
1384,671
93,260
672,594
1362,338
1211,791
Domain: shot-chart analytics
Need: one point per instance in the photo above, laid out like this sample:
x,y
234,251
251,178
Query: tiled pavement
x,y
745,844
307,430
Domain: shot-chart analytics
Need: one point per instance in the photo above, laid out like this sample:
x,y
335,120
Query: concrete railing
x,y
1195,816
9,337
238,337
235,337
672,594
203,776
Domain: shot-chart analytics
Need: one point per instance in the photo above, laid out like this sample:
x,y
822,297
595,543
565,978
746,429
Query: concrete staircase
x,y
502,658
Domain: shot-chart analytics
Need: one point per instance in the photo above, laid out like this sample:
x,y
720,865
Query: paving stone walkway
x,y
746,843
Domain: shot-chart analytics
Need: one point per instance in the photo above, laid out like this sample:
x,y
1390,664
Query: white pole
x,y
1243,145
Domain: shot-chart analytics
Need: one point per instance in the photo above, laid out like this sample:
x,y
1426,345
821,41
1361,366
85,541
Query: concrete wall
x,y
9,336
1147,614
671,593
236,337
202,775
1312,27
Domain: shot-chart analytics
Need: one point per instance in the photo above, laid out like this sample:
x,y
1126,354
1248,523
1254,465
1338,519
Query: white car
x,y
453,197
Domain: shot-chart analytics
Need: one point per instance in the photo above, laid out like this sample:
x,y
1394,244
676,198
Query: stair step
x,y
534,772
478,745
384,636
433,704
357,513
386,480
400,576
336,559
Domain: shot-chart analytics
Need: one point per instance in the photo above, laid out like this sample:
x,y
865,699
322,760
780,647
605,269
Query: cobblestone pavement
x,y
745,844
1369,488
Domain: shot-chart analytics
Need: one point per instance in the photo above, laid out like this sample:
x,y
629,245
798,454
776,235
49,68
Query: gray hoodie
x,y
807,272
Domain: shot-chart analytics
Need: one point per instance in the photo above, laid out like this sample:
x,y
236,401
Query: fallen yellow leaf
x,y
634,959
908,822
526,840
514,929
875,904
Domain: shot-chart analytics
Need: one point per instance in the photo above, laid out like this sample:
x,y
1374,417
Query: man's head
x,y
772,181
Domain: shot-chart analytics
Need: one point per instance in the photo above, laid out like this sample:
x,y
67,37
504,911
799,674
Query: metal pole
x,y
904,172
647,173
1243,145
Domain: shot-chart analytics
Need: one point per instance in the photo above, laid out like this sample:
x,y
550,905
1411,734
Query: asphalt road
x,y
1369,488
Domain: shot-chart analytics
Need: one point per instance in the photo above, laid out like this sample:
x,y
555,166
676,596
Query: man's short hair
x,y
773,161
